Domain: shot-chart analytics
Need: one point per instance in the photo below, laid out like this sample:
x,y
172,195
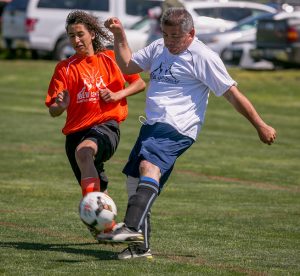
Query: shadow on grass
x,y
64,248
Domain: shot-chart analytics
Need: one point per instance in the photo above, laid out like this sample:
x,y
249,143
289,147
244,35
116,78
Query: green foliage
x,y
231,206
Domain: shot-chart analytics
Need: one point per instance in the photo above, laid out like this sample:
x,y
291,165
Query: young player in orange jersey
x,y
90,87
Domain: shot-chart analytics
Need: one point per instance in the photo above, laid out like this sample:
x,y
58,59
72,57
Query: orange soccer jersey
x,y
83,77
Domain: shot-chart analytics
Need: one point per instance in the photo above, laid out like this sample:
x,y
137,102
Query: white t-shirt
x,y
179,84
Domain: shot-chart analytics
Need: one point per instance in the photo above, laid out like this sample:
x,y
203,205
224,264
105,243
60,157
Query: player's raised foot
x,y
121,234
133,251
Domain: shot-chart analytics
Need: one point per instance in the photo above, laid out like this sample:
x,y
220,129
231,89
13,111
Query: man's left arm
x,y
266,133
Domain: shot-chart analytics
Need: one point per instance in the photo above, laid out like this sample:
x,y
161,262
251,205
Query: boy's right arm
x,y
60,105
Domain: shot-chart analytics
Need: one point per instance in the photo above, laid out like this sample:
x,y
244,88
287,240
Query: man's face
x,y
81,39
175,39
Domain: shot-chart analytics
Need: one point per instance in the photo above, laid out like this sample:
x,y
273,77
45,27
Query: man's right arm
x,y
121,48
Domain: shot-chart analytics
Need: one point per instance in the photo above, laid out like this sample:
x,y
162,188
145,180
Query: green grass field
x,y
231,206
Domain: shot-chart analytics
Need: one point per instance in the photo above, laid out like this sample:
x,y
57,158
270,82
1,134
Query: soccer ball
x,y
97,210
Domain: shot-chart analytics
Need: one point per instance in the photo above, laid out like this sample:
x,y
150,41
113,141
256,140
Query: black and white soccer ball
x,y
97,210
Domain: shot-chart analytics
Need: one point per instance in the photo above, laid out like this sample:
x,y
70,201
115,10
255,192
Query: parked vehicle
x,y
220,16
238,54
278,40
3,3
39,25
138,33
219,41
215,16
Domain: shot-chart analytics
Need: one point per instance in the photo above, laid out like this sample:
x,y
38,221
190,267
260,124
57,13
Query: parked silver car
x,y
219,41
242,51
222,15
278,40
138,33
238,54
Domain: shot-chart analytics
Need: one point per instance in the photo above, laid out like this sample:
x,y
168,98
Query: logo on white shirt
x,y
163,73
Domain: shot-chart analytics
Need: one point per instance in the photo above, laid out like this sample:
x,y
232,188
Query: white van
x,y
39,25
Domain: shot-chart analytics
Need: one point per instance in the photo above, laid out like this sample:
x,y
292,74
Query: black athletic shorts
x,y
107,137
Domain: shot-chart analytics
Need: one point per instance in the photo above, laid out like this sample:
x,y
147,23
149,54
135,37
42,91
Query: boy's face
x,y
81,39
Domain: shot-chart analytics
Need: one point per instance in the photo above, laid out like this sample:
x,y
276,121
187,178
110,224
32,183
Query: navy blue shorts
x,y
161,145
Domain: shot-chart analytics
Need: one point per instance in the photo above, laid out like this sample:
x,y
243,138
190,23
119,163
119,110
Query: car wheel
x,y
63,50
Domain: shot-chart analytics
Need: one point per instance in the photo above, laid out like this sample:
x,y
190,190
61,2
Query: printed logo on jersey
x,y
163,73
93,82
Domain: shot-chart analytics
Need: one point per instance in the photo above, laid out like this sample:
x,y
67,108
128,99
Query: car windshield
x,y
250,22
138,7
19,5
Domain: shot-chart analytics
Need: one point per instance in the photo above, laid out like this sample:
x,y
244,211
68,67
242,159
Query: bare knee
x,y
150,170
84,155
85,152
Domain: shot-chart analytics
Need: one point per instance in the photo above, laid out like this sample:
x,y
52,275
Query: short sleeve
x,y
144,57
131,78
213,73
57,84
128,78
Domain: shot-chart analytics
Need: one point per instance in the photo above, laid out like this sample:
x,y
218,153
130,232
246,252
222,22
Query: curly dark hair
x,y
102,36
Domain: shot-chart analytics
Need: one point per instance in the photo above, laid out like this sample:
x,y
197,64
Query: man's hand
x,y
121,48
267,134
114,25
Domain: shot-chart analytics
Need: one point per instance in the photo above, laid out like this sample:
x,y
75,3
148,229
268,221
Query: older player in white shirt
x,y
183,71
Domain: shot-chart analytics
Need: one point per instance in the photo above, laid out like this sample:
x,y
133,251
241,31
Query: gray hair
x,y
177,16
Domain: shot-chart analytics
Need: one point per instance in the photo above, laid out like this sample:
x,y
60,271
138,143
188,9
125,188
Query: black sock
x,y
140,203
